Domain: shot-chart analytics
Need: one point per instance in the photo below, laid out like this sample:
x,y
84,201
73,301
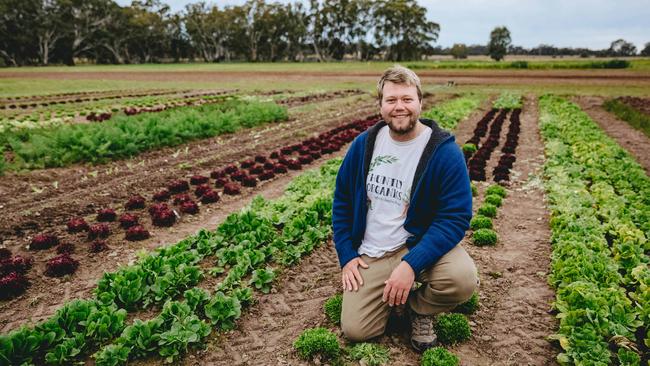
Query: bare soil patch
x,y
631,139
591,77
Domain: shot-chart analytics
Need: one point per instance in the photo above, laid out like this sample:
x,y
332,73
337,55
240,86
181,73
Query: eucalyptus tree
x,y
402,29
499,42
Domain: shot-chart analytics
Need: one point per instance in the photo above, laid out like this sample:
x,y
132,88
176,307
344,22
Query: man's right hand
x,y
350,276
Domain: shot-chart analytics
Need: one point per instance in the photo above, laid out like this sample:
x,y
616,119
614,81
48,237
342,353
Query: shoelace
x,y
422,325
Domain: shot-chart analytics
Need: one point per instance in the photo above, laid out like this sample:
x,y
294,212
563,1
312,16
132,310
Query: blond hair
x,y
399,75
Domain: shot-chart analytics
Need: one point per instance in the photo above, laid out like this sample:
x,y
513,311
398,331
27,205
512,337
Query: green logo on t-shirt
x,y
382,159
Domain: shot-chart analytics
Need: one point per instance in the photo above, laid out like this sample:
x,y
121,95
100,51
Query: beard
x,y
402,130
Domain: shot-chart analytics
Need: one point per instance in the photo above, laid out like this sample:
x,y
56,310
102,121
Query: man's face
x,y
400,107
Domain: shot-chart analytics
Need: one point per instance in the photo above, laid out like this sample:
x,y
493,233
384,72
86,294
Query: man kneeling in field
x,y
401,206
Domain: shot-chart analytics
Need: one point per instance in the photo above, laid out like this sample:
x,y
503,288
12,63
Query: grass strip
x,y
635,118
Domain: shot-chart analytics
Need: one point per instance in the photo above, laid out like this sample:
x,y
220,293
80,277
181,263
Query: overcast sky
x,y
564,23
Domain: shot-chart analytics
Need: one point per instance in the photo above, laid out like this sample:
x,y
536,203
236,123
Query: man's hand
x,y
351,277
399,284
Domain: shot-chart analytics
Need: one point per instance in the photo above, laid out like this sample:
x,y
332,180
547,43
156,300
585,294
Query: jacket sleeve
x,y
343,206
453,209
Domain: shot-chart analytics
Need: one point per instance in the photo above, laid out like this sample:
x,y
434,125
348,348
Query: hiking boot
x,y
423,335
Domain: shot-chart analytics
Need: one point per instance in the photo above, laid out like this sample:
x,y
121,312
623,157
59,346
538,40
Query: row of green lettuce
x,y
247,251
600,220
125,136
447,114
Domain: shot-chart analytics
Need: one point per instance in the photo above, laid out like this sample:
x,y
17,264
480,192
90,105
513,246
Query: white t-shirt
x,y
388,187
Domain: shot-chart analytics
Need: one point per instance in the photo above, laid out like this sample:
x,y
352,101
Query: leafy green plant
x,y
112,355
627,357
223,310
469,148
196,298
483,237
332,308
370,354
181,328
452,328
244,295
493,199
470,306
480,222
496,189
262,279
317,341
438,356
488,210
141,337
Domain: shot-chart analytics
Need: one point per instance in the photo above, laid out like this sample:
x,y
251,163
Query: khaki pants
x,y
447,283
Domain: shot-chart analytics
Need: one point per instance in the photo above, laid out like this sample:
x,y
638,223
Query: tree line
x,y
42,32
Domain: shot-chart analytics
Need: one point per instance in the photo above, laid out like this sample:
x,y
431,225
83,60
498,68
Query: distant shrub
x,y
317,341
332,308
438,356
483,237
452,328
613,64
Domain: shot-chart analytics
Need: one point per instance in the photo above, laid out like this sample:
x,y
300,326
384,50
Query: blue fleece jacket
x,y
440,207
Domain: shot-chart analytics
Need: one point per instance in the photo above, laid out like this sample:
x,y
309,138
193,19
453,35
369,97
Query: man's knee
x,y
356,332
458,286
465,283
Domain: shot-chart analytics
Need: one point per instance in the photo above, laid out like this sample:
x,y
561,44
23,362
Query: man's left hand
x,y
399,284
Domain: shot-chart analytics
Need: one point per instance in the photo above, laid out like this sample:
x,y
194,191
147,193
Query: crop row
x,y
600,220
229,178
126,136
151,106
91,111
81,97
449,113
508,100
242,247
502,171
479,159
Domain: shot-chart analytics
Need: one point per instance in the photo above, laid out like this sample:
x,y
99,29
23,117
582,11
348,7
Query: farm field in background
x,y
182,213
